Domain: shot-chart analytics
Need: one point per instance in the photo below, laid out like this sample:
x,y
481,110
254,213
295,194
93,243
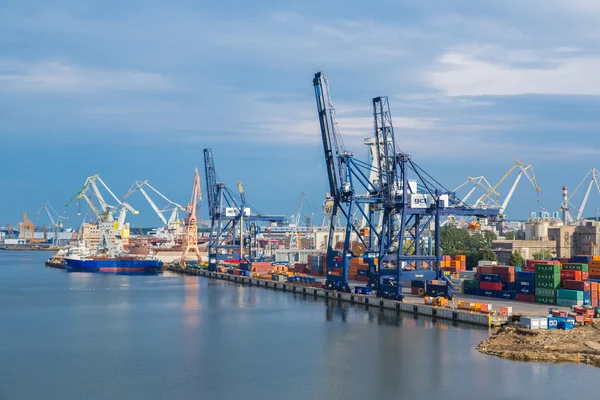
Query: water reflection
x,y
191,304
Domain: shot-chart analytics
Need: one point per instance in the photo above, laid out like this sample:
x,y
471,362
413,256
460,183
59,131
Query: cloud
x,y
471,74
60,77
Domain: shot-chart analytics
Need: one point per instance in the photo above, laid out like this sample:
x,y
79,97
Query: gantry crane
x,y
406,207
190,236
228,211
55,219
27,229
594,178
173,208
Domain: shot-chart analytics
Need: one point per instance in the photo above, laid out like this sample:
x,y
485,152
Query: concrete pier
x,y
371,301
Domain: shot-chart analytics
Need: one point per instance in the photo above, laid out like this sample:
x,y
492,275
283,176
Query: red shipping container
x,y
575,285
362,278
594,286
585,276
530,298
508,278
566,274
485,269
490,285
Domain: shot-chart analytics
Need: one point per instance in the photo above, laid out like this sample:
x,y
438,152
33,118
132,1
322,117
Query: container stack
x,y
317,264
359,270
525,286
594,269
455,265
575,289
547,281
470,286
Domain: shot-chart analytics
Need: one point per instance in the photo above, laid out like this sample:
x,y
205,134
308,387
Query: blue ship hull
x,y
113,265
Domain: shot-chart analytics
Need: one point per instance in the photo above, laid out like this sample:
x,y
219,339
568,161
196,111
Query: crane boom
x,y
329,133
211,182
510,193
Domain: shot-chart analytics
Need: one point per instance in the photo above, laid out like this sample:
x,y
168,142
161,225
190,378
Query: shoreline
x,y
579,346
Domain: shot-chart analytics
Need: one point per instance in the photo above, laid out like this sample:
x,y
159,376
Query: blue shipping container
x,y
526,290
520,284
508,286
490,278
488,293
587,297
472,291
363,272
508,294
552,323
525,276
566,325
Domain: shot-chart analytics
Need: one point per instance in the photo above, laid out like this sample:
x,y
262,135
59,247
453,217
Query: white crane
x,y
106,211
594,178
55,219
172,207
295,222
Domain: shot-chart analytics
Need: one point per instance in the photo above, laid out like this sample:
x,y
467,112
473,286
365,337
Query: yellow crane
x,y
27,229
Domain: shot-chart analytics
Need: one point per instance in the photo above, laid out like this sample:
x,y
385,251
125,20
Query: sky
x,y
135,90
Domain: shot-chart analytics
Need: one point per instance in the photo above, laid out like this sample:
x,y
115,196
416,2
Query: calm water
x,y
94,336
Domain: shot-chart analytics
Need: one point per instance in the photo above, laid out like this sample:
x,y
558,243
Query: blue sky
x,y
134,90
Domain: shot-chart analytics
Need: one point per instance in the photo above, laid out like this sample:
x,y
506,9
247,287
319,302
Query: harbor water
x,y
100,336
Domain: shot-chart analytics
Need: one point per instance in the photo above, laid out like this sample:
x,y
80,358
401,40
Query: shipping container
x,y
542,292
530,298
568,302
546,268
490,278
471,283
545,300
575,285
570,275
526,290
569,294
525,276
496,286
471,291
488,293
507,294
575,267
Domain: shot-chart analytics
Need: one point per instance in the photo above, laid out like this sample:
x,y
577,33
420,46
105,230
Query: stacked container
x,y
454,265
359,270
317,264
525,286
547,280
576,291
594,269
471,286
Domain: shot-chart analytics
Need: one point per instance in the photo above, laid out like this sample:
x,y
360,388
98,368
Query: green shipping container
x,y
547,277
547,268
545,300
542,292
569,294
471,284
547,284
576,267
568,302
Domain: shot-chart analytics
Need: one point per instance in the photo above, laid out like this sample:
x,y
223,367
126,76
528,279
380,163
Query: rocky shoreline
x,y
581,345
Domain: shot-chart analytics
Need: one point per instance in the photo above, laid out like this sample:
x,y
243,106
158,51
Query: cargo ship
x,y
119,264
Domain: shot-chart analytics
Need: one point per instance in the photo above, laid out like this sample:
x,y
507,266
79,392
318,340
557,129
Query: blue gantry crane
x,y
232,219
401,205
